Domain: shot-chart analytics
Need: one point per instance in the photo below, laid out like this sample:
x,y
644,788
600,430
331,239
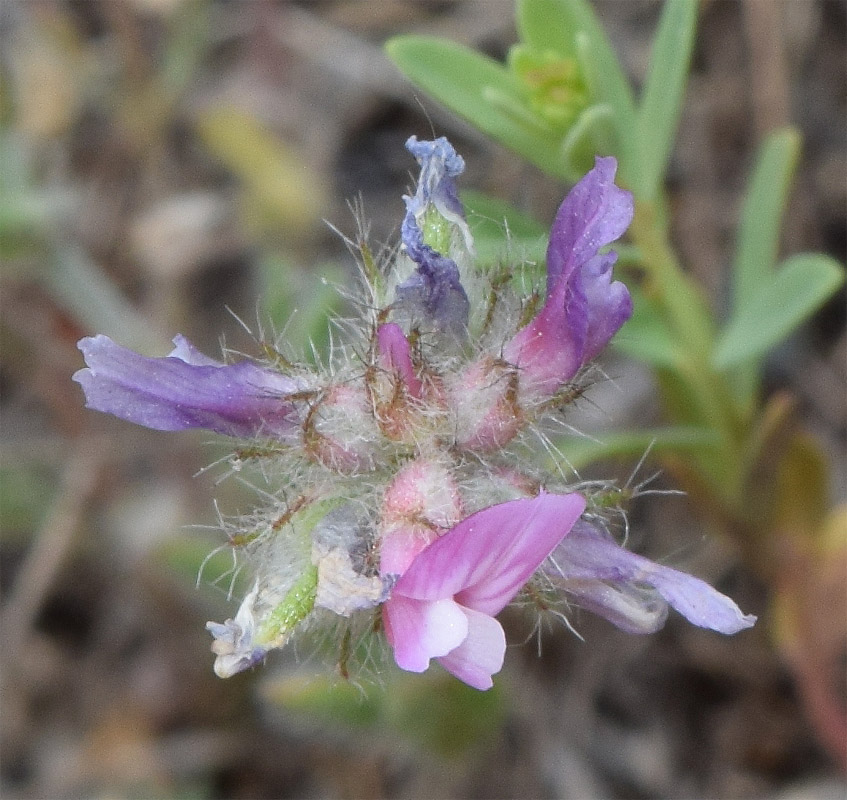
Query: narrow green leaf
x,y
482,91
85,290
664,88
798,289
762,213
581,452
546,25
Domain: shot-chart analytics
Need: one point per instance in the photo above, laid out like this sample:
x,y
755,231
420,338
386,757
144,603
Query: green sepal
x,y
297,604
437,230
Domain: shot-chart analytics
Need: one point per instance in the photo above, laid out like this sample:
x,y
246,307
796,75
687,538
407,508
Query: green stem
x,y
689,318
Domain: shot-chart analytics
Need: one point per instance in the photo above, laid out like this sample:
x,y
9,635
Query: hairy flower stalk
x,y
411,509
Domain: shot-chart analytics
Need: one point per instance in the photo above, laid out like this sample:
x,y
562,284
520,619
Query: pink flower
x,y
443,606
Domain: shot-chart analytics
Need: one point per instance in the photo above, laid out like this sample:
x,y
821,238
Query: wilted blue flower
x,y
408,506
434,294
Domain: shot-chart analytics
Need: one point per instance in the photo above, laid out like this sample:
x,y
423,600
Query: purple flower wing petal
x,y
631,608
608,304
419,630
589,555
594,213
175,393
481,654
187,352
584,308
434,293
486,559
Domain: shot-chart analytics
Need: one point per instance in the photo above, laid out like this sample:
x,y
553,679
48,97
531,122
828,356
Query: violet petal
x,y
184,390
591,562
595,213
395,355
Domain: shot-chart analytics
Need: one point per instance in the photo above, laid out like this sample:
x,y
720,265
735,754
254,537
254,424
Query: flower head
x,y
400,497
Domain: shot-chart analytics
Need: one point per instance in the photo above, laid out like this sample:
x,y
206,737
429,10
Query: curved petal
x,y
486,559
481,654
608,304
184,390
634,609
595,213
590,556
419,630
440,164
395,355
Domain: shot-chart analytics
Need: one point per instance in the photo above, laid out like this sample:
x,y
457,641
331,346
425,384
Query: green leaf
x,y
798,289
298,301
606,82
761,216
758,237
546,25
581,452
85,290
560,25
664,89
482,91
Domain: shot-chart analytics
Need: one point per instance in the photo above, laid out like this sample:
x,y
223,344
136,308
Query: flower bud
x,y
484,400
420,503
340,432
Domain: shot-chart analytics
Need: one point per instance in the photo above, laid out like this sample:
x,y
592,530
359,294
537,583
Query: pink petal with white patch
x,y
481,654
418,631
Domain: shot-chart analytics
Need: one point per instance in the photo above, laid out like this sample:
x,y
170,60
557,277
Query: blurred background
x,y
166,166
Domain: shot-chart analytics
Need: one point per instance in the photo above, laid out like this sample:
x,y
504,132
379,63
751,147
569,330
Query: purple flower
x,y
584,308
184,390
633,592
434,293
443,606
